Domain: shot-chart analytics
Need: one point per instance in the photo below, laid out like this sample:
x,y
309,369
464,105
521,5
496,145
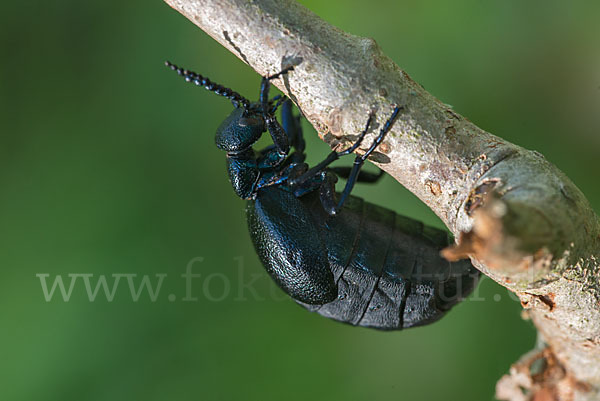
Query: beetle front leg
x,y
280,138
293,128
270,158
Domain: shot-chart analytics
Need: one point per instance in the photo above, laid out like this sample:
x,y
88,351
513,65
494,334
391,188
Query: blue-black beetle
x,y
346,259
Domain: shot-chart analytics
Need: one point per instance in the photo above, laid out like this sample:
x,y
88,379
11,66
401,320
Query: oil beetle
x,y
345,258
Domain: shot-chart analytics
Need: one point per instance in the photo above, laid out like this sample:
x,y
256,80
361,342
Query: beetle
x,y
334,254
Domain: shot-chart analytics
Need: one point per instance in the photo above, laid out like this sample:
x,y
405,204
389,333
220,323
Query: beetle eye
x,y
247,121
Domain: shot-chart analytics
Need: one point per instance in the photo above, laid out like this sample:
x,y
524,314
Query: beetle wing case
x,y
289,245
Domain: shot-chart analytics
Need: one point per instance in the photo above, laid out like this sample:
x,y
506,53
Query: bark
x,y
519,218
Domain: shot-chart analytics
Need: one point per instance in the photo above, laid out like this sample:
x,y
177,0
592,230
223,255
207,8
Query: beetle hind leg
x,y
363,176
360,159
327,190
333,156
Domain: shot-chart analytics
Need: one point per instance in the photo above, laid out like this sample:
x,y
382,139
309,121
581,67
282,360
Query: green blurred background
x,y
107,165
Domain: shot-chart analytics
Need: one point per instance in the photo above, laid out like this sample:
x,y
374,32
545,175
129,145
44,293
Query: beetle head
x,y
240,130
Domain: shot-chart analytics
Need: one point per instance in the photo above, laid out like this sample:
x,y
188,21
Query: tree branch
x,y
519,218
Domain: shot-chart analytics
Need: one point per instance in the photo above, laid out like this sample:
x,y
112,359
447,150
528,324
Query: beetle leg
x,y
279,136
360,159
311,185
327,192
270,157
363,176
293,128
333,156
278,101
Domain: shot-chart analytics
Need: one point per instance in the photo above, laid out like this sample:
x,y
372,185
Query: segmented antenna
x,y
199,80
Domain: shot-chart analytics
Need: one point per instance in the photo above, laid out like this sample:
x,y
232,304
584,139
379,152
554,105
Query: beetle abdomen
x,y
289,246
366,266
364,261
392,276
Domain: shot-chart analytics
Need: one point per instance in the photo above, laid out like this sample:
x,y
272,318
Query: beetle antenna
x,y
199,80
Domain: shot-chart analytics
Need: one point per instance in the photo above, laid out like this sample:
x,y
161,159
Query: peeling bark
x,y
519,218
